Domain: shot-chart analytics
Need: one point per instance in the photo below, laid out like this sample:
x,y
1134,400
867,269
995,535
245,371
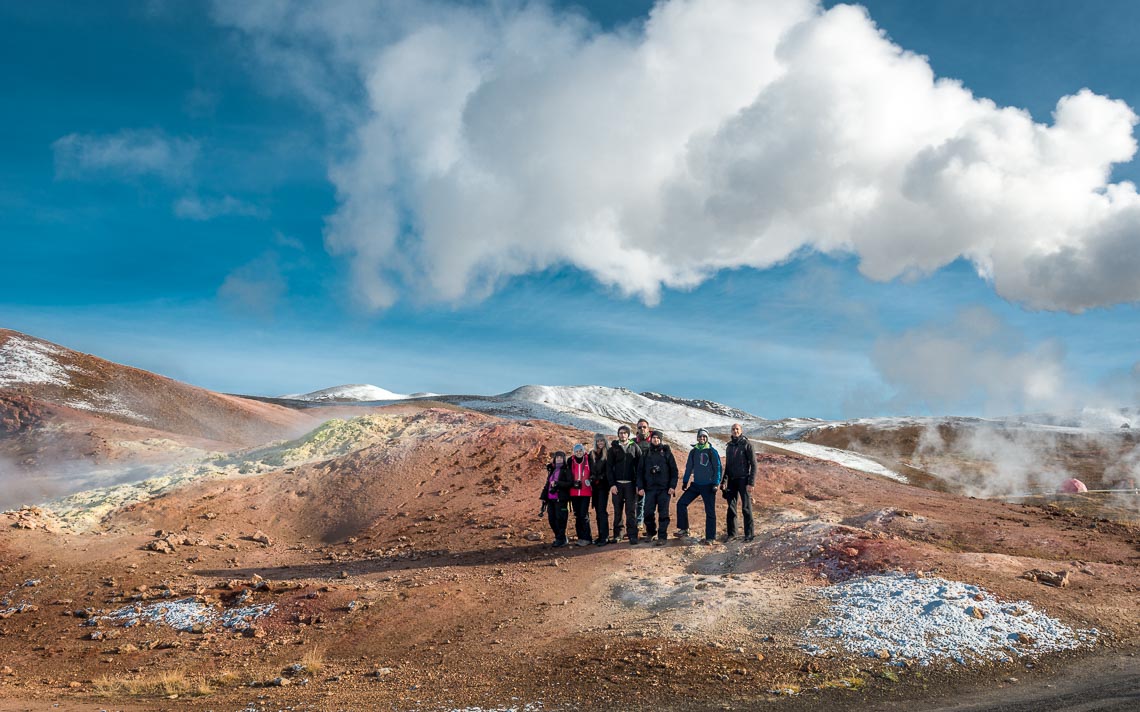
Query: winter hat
x,y
701,432
579,450
656,434
601,437
557,455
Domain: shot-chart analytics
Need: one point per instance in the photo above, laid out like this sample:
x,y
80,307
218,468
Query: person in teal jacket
x,y
705,470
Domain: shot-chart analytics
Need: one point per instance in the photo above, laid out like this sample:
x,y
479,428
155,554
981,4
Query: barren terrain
x,y
413,572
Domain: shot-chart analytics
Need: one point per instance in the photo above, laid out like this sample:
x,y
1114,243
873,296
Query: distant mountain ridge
x,y
352,392
710,406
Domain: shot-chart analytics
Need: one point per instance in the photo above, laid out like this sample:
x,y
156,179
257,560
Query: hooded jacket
x,y
657,469
740,461
703,465
558,480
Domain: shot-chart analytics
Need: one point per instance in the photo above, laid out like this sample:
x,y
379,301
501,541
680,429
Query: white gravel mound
x,y
932,620
186,613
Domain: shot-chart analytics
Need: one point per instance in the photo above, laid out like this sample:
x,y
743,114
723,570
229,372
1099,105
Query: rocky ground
x,y
412,572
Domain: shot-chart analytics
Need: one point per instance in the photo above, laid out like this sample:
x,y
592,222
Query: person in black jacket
x,y
600,494
622,468
739,478
657,481
556,496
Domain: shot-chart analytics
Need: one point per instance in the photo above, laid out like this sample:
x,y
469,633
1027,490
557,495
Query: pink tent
x,y
1072,486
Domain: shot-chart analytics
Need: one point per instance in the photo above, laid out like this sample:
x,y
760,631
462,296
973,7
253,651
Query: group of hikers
x,y
639,476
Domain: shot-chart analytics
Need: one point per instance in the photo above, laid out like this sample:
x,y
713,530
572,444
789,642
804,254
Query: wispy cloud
x,y
978,363
483,143
194,207
126,154
256,288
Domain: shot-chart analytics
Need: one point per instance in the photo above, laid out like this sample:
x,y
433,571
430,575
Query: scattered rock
x,y
162,546
261,538
976,612
1057,579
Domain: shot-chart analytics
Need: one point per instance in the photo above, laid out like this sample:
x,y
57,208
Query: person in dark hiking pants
x,y
642,441
704,468
599,482
739,478
556,496
580,494
624,456
657,481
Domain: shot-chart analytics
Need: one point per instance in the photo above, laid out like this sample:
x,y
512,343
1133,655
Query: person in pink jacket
x,y
581,492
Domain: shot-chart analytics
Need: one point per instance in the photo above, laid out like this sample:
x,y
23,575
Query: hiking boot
x,y
558,543
613,540
601,541
659,542
728,537
584,542
708,542
750,537
681,534
634,541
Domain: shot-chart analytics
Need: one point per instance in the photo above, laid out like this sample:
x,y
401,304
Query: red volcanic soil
x,y
415,573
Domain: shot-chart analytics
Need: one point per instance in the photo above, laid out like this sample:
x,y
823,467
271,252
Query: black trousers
x,y
582,517
657,513
557,513
707,493
736,490
625,502
601,502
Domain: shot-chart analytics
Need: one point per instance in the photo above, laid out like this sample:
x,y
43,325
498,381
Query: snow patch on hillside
x,y
359,392
107,404
842,457
932,620
23,361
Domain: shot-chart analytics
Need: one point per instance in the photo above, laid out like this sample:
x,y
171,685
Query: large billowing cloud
x,y
487,143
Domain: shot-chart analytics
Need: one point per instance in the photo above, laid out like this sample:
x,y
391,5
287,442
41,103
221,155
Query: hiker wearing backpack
x,y
599,482
703,466
556,496
581,491
657,481
623,459
739,477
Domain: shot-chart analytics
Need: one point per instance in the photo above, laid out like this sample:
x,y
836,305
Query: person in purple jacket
x,y
556,496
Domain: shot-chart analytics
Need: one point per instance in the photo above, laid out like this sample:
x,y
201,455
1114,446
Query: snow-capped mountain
x,y
353,392
594,408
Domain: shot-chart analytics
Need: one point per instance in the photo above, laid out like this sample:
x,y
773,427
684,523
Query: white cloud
x,y
490,142
128,153
193,207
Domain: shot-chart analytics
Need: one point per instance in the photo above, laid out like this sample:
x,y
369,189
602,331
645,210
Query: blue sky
x,y
198,249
